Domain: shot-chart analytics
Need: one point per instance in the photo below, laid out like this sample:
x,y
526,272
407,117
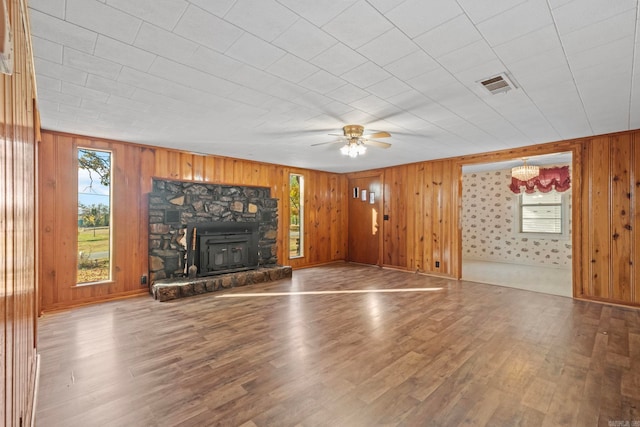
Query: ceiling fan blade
x,y
379,135
327,142
378,144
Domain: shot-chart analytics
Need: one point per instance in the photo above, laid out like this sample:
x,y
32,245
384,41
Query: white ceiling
x,y
265,79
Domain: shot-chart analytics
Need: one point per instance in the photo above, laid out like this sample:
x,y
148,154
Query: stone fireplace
x,y
235,229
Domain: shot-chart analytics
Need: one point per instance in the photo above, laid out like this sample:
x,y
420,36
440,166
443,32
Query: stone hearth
x,y
170,289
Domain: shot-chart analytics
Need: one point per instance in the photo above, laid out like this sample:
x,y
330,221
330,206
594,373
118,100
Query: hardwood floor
x,y
445,353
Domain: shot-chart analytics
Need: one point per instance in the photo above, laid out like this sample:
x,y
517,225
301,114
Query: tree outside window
x,y
94,216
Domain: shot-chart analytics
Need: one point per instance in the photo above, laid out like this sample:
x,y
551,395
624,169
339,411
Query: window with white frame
x,y
543,214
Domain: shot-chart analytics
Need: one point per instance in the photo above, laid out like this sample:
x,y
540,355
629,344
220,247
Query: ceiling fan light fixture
x,y
353,149
525,172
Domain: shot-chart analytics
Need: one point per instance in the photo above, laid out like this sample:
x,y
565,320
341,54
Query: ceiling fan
x,y
355,143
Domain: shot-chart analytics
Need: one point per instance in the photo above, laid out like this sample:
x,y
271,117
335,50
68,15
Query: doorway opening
x,y
513,240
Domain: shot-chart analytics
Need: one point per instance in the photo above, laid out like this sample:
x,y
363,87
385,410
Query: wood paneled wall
x,y
17,222
130,184
421,201
135,165
611,218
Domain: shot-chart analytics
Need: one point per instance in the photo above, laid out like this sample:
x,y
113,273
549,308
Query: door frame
x,y
379,174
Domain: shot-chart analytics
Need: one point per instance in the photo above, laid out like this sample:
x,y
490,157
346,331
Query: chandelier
x,y
353,148
525,172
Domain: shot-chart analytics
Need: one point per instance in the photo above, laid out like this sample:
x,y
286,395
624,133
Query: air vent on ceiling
x,y
498,84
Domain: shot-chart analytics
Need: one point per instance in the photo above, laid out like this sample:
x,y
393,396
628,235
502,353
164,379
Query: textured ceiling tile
x,y
531,44
518,21
123,53
107,20
366,75
415,17
322,82
601,33
251,50
292,68
541,69
375,106
318,12
46,49
109,86
213,62
163,43
479,11
338,59
388,88
304,40
451,35
189,77
468,57
61,72
84,92
432,80
65,33
159,101
163,13
348,93
58,97
218,7
120,102
389,47
207,29
342,26
91,64
49,83
54,8
577,14
266,19
79,112
616,54
412,65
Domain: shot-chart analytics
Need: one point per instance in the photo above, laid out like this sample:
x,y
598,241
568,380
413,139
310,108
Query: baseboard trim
x,y
34,384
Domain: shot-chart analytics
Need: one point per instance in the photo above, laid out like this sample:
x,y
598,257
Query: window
x,y
543,214
94,216
296,216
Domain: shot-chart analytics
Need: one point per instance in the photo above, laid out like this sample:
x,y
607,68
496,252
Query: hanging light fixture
x,y
525,172
353,148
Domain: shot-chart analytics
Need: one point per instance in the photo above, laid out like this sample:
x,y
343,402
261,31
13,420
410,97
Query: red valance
x,y
557,178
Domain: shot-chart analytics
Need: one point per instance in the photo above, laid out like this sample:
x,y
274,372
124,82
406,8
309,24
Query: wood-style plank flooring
x,y
446,353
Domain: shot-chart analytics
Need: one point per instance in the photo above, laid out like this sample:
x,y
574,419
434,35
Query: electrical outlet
x,y
143,279
437,264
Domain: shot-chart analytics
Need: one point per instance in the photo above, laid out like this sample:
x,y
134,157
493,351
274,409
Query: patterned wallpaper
x,y
489,225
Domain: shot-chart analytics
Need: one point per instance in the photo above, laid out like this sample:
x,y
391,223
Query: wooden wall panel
x,y
421,200
18,267
394,232
635,217
620,219
611,221
131,181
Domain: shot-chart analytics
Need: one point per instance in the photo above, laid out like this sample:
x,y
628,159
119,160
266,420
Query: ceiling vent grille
x,y
498,84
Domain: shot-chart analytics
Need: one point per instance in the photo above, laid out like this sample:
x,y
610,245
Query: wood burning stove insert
x,y
224,247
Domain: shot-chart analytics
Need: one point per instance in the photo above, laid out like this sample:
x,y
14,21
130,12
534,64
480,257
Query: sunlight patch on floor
x,y
353,291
